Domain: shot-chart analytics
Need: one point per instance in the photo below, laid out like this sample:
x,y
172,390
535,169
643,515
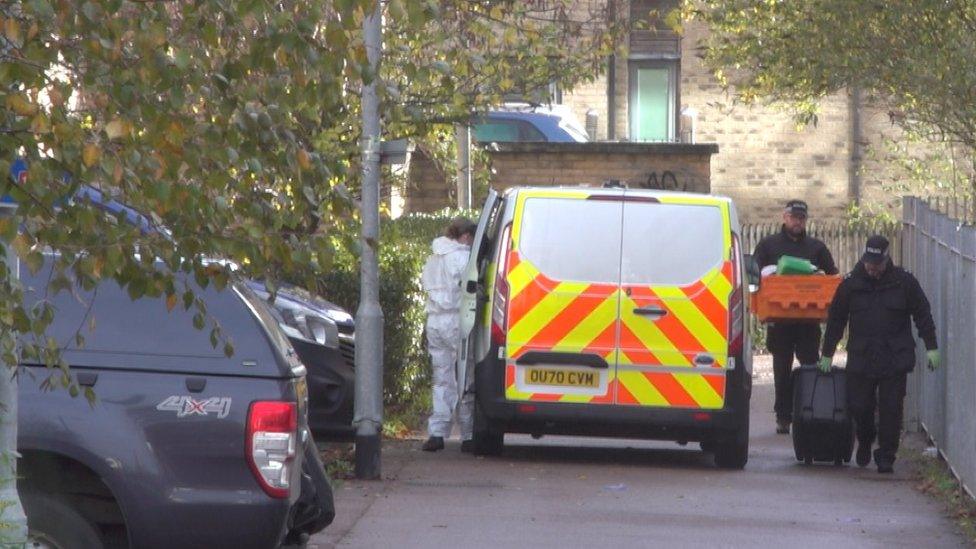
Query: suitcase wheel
x,y
808,460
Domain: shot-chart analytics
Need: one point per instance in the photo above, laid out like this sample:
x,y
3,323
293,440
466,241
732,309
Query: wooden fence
x,y
844,240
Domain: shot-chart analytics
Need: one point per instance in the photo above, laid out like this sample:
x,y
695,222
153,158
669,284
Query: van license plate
x,y
562,377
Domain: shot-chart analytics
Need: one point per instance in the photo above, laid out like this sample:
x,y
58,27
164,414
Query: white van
x,y
609,312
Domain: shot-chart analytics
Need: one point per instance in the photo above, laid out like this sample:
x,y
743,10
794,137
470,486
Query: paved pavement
x,y
578,492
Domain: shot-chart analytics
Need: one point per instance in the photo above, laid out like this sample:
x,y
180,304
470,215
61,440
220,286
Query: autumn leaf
x,y
116,129
90,155
20,105
304,160
55,96
11,29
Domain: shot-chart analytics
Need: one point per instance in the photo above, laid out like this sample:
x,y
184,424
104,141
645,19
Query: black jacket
x,y
775,246
878,311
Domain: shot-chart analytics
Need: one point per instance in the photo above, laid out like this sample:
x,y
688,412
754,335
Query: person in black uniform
x,y
786,339
877,299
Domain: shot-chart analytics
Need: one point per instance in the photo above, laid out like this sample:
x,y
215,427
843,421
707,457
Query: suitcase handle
x,y
838,410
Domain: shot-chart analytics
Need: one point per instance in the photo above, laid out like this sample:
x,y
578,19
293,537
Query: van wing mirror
x,y
753,273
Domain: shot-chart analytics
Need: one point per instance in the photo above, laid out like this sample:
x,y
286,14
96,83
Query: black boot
x,y
433,444
863,454
885,464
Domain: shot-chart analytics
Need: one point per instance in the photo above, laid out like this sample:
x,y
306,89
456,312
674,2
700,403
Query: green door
x,y
652,104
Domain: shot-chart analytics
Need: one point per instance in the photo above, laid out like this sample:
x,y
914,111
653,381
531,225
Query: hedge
x,y
404,247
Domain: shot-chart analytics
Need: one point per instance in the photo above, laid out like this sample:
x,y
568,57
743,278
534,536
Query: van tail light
x,y
736,304
272,441
499,302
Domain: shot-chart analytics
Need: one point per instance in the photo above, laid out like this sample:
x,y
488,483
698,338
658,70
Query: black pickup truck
x,y
183,447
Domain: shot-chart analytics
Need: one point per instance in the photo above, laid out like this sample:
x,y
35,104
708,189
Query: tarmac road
x,y
579,492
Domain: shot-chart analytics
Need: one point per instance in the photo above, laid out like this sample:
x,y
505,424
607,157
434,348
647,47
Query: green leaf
x,y
136,289
90,10
22,322
59,283
41,8
182,59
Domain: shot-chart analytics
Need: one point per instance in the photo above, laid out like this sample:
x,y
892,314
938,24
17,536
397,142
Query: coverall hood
x,y
443,245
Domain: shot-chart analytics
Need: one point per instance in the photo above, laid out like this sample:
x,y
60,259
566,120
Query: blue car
x,y
520,126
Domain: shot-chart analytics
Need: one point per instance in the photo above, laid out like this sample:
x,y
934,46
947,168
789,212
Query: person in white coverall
x,y
441,280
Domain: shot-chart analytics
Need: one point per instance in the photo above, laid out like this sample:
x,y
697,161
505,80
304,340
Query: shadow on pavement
x,y
689,457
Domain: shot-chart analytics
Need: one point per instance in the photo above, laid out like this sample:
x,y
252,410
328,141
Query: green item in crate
x,y
789,265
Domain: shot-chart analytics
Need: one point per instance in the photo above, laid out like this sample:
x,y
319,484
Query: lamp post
x,y
369,315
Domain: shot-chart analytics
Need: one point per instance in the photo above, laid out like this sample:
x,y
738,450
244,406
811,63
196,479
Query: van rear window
x,y
670,244
572,240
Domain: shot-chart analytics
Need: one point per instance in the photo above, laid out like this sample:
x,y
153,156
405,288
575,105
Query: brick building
x,y
649,93
764,158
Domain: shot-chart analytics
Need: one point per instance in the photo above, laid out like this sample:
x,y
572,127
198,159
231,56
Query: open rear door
x,y
470,289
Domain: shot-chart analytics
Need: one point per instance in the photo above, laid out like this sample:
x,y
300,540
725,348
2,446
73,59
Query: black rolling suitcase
x,y
822,428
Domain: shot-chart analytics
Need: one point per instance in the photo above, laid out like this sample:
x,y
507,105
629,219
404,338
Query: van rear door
x,y
676,278
471,289
562,266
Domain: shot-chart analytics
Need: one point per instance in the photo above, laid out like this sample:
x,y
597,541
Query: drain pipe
x,y
854,113
612,81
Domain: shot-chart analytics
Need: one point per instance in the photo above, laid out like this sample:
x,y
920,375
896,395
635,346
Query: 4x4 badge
x,y
188,406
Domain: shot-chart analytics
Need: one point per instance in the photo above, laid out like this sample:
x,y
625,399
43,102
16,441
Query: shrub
x,y
404,247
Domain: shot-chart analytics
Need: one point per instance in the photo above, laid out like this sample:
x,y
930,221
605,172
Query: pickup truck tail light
x,y
272,441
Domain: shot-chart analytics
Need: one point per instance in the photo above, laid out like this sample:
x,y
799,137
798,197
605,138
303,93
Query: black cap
x,y
876,249
796,207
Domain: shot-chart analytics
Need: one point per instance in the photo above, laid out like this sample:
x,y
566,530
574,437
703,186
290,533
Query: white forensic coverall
x,y
441,280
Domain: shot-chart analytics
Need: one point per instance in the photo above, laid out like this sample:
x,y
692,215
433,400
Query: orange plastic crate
x,y
794,297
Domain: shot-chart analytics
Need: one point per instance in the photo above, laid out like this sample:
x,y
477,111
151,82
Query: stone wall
x,y
429,188
639,165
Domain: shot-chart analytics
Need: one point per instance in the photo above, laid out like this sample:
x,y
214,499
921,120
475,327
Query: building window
x,y
653,100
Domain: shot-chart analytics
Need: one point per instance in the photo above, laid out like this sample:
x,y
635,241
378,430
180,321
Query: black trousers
x,y
784,341
887,394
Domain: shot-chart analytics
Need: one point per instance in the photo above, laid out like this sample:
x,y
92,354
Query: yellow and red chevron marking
x,y
671,389
570,317
544,314
571,322
696,322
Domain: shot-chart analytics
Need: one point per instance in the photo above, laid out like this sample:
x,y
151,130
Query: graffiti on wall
x,y
665,181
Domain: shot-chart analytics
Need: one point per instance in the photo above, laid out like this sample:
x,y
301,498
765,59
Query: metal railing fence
x,y
939,248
